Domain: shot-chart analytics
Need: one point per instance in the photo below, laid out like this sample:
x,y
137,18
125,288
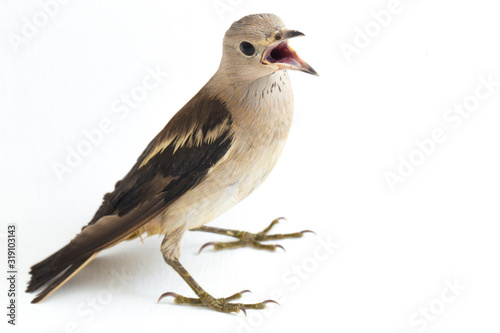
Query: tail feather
x,y
106,232
44,272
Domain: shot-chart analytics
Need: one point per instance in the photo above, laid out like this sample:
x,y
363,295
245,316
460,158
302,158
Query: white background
x,y
396,248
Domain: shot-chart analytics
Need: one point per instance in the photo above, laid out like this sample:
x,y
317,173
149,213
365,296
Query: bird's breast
x,y
261,120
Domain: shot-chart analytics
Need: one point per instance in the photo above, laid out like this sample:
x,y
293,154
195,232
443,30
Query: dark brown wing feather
x,y
177,159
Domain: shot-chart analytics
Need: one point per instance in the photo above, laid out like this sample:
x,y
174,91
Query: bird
x,y
216,150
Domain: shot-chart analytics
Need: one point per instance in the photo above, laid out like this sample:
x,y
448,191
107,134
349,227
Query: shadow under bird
x,y
213,153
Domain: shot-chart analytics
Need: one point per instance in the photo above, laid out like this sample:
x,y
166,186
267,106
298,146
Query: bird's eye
x,y
247,48
278,37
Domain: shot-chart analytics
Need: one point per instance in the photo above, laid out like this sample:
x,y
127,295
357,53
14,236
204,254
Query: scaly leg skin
x,y
247,239
205,299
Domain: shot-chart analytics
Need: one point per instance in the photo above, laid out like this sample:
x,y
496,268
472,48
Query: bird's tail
x,y
45,271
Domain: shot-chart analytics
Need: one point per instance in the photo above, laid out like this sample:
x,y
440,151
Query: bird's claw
x,y
207,244
246,239
218,304
281,247
174,295
242,309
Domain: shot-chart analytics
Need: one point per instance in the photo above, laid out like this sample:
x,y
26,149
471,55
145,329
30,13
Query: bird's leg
x,y
247,239
204,298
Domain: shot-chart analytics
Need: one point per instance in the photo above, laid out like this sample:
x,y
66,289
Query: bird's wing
x,y
180,156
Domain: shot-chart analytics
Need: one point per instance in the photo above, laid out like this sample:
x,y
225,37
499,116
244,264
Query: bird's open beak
x,y
282,55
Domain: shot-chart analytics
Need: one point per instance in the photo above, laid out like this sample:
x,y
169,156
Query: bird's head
x,y
257,45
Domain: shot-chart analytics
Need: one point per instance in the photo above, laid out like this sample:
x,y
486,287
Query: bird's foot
x,y
218,304
247,239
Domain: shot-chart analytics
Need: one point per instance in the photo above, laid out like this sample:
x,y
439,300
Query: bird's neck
x,y
268,93
263,107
